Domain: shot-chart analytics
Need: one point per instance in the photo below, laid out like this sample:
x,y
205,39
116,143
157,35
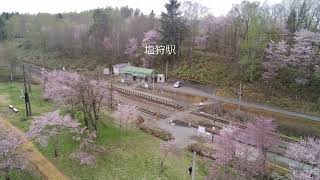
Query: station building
x,y
138,74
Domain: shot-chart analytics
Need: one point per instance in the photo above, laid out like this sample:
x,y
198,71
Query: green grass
x,y
10,94
17,175
135,156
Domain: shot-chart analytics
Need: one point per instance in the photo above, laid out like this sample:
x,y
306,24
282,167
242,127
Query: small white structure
x,y
161,78
201,130
106,71
118,67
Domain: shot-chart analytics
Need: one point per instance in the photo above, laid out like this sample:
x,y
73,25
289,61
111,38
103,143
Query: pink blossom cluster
x,y
59,86
11,155
301,55
49,125
305,151
132,47
246,149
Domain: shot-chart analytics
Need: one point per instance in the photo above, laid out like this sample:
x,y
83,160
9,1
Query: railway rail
x,y
221,120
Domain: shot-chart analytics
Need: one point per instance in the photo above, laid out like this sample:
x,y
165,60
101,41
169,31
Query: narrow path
x,y
43,165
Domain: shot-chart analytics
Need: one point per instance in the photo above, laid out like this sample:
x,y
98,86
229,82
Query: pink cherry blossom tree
x,y
302,56
87,147
132,48
226,145
276,58
151,38
305,151
246,149
60,86
78,91
260,134
51,125
125,113
11,155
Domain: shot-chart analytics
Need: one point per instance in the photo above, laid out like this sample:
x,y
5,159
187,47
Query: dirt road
x,y
42,164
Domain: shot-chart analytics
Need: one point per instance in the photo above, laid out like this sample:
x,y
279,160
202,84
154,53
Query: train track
x,y
154,114
223,121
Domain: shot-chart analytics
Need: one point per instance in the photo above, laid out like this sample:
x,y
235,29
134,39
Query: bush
x,y
201,150
298,130
157,132
242,117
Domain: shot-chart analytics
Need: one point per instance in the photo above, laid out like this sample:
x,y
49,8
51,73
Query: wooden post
x,y
153,82
240,94
194,166
166,78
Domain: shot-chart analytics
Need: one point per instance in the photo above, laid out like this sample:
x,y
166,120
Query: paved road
x,y
196,92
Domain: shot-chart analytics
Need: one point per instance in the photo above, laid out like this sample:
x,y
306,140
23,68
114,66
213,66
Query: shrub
x,y
157,132
298,130
201,150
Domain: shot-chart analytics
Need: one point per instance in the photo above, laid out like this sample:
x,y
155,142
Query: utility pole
x,y
26,95
111,95
166,78
29,80
194,166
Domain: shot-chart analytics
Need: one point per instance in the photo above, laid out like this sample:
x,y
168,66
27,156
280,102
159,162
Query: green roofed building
x,y
131,73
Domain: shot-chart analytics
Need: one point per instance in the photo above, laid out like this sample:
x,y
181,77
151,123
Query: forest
x,y
272,49
63,117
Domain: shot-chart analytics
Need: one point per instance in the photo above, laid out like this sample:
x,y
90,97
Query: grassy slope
x,y
225,77
136,156
43,58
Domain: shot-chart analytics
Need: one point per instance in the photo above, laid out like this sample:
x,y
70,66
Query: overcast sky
x,y
216,7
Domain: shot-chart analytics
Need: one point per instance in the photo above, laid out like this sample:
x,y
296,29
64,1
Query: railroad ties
x,y
223,121
148,97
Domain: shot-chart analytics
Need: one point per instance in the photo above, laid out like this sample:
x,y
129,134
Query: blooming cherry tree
x,y
126,113
11,155
305,151
246,149
226,145
59,86
151,38
132,48
276,58
50,125
72,89
303,56
87,146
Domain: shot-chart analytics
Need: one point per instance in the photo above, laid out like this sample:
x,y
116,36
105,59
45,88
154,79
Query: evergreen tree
x,y
291,21
172,26
152,15
2,29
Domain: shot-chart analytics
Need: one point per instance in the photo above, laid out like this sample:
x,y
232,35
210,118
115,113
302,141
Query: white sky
x,y
216,7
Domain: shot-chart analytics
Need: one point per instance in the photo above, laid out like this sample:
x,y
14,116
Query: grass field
x,y
135,156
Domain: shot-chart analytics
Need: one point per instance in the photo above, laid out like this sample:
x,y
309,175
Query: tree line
x,y
243,37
